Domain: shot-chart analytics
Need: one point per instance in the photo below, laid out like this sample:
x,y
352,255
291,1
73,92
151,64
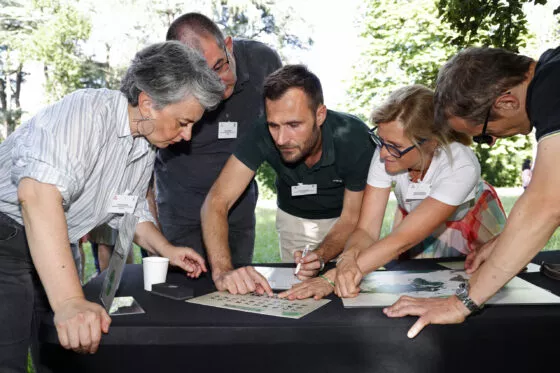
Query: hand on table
x,y
348,276
188,260
310,265
242,281
316,287
431,311
475,259
79,324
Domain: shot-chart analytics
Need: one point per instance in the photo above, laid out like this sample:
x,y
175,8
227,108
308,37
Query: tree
x,y
49,31
501,24
16,28
406,45
492,23
408,42
57,43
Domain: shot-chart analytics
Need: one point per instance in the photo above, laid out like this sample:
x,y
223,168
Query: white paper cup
x,y
155,271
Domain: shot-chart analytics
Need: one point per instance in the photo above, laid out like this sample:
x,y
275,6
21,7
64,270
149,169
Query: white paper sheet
x,y
381,289
279,278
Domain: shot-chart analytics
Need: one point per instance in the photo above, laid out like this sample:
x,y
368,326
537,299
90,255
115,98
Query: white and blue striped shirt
x,y
82,145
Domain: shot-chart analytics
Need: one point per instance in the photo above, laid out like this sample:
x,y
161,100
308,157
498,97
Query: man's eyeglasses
x,y
484,138
392,149
223,66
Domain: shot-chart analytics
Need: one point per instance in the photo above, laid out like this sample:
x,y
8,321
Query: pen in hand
x,y
305,251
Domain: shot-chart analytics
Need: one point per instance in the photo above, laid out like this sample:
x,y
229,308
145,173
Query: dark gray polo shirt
x,y
344,164
185,171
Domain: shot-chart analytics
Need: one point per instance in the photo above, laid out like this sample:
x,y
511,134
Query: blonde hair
x,y
413,107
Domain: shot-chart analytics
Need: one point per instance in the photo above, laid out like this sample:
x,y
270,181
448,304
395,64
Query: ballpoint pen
x,y
305,251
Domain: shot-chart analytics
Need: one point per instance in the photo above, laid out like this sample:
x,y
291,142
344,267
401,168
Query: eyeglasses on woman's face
x,y
392,149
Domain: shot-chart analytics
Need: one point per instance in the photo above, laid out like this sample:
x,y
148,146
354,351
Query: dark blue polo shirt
x,y
344,164
185,171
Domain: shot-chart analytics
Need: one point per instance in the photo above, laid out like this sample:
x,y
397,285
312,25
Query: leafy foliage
x,y
407,42
405,45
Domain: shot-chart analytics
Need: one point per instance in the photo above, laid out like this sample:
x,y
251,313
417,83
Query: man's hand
x,y
310,265
348,276
315,287
431,311
79,324
242,281
187,259
475,259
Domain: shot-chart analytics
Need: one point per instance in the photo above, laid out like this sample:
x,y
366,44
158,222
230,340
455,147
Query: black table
x,y
175,336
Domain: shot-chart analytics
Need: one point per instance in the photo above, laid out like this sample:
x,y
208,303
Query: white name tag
x,y
418,191
304,189
123,204
227,130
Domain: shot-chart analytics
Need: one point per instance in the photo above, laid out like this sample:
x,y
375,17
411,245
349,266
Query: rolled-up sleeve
x,y
56,147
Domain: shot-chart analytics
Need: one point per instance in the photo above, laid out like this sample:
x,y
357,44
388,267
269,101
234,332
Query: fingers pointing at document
x,y
242,281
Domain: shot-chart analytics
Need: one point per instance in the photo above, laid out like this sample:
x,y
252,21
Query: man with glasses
x,y
185,173
321,158
490,93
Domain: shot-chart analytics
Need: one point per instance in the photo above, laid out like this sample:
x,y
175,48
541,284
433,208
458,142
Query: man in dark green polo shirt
x,y
321,158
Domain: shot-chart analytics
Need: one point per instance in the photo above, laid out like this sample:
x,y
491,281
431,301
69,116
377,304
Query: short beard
x,y
308,146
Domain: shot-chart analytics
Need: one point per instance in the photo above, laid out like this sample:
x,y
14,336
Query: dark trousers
x,y
23,302
241,241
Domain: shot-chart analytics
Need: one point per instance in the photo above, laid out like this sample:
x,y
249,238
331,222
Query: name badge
x,y
304,189
418,191
227,130
123,204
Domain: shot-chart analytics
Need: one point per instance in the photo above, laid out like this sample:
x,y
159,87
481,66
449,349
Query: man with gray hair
x,y
491,93
184,172
60,174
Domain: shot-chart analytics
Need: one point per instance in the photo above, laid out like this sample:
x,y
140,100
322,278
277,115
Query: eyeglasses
x,y
392,149
223,67
484,138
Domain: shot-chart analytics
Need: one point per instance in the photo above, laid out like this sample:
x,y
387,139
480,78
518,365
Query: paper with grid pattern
x,y
260,304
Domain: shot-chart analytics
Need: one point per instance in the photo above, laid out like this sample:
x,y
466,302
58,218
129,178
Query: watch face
x,y
462,290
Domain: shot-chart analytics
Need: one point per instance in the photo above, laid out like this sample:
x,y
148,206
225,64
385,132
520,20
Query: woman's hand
x,y
187,259
348,275
80,324
317,287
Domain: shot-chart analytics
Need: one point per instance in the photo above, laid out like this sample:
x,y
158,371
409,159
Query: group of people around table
x,y
202,112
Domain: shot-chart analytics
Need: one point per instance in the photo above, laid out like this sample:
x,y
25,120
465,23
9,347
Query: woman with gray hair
x,y
59,173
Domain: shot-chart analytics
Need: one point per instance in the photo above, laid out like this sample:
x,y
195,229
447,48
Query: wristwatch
x,y
462,293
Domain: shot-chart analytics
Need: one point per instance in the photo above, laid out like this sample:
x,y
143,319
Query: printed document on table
x,y
381,289
279,278
261,304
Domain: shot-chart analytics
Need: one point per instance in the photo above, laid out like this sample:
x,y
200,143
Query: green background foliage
x,y
406,41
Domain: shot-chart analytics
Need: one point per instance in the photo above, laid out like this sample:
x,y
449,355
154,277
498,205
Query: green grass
x,y
266,241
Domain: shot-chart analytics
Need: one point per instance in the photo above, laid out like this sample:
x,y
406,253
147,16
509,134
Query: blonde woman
x,y
444,208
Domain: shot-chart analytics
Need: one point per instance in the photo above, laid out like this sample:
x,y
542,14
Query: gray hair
x,y
169,72
469,82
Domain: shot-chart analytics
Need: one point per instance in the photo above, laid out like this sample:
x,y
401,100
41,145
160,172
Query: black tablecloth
x,y
175,336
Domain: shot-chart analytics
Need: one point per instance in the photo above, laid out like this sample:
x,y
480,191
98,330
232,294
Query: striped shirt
x,y
82,145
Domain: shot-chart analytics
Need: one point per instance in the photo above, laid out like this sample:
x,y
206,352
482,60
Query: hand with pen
x,y
309,263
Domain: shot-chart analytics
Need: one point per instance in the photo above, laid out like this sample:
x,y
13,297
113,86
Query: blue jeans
x,y
23,299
